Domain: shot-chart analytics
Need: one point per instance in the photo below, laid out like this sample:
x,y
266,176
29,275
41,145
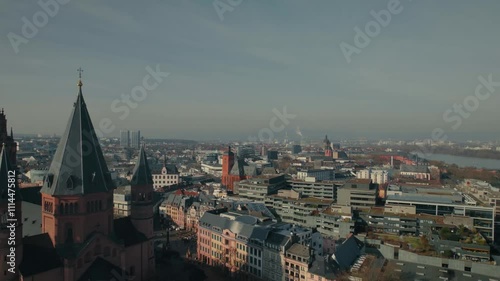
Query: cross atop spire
x,y
80,84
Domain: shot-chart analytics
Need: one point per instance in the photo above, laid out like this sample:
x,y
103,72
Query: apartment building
x,y
194,213
176,207
319,189
444,201
257,188
316,175
292,207
415,171
261,251
402,220
335,221
122,201
377,176
358,193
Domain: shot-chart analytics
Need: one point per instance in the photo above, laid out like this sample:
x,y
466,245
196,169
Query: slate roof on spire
x,y
78,166
141,174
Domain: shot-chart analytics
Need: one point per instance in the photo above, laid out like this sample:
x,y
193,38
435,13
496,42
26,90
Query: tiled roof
x,y
347,252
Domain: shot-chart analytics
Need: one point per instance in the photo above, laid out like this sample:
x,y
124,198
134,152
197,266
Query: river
x,y
462,161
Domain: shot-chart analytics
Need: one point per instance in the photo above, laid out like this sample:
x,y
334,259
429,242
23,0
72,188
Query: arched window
x,y
66,208
69,232
61,208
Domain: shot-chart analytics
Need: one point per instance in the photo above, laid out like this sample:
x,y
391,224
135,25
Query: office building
x,y
257,188
445,201
358,193
377,176
292,207
135,139
272,155
316,175
319,189
125,138
296,149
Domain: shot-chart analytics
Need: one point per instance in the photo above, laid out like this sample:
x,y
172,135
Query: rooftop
x,y
299,250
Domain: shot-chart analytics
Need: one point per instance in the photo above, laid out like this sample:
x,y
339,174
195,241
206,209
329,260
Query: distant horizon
x,y
317,138
193,73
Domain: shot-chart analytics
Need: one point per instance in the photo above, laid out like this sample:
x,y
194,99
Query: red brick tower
x,y
227,165
327,147
141,187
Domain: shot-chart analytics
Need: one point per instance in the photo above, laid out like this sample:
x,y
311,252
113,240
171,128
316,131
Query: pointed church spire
x,y
80,84
164,160
141,174
11,133
78,166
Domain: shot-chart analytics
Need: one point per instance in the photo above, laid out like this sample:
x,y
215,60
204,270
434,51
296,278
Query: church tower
x,y
227,165
77,193
6,140
11,219
327,147
141,187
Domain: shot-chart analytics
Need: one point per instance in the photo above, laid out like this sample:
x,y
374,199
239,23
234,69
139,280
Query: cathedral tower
x,y
77,194
141,187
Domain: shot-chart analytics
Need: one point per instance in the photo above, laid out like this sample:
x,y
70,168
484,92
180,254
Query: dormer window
x,y
69,183
49,180
93,178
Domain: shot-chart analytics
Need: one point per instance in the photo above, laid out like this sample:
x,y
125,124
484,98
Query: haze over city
x,y
228,71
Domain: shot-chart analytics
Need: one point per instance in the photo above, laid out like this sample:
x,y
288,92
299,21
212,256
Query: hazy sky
x,y
226,76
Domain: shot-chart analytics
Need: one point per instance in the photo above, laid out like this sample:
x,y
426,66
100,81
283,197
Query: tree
x,y
424,242
448,254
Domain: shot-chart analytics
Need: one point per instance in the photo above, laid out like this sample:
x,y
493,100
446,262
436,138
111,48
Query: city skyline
x,y
227,75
